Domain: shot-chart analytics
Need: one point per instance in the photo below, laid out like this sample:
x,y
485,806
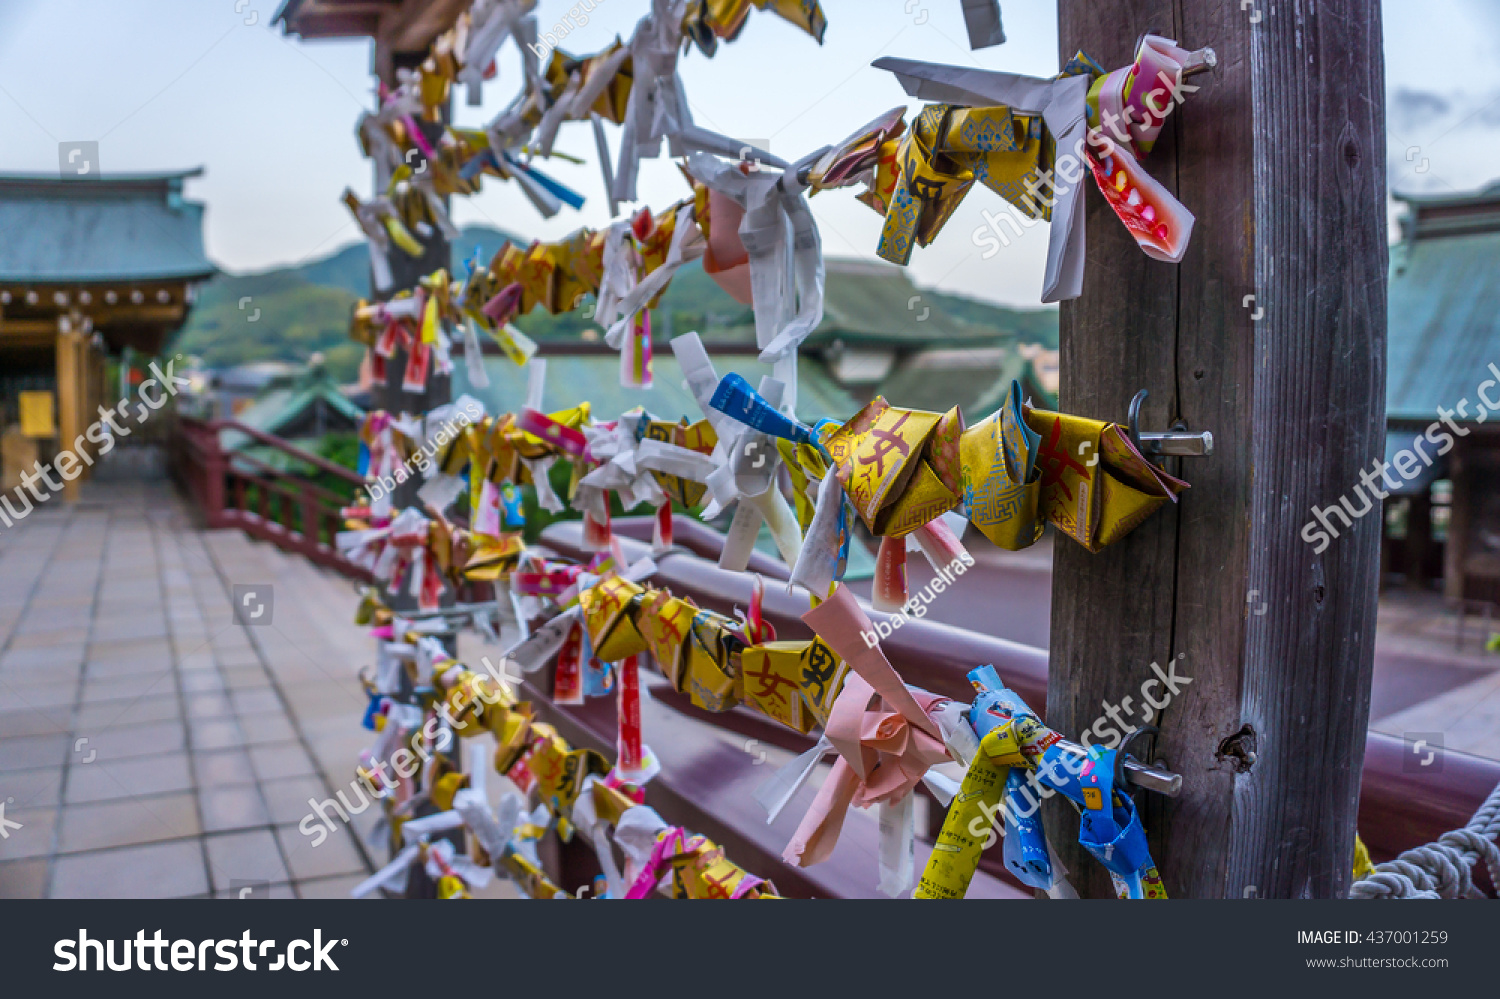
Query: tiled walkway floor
x,y
149,746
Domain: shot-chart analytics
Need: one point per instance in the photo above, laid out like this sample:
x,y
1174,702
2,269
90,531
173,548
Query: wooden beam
x,y
1281,157
415,24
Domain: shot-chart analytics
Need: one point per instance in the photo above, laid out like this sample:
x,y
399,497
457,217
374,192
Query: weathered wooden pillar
x,y
1280,156
72,391
406,272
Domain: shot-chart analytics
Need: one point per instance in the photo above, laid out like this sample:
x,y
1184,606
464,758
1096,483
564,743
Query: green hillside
x,y
290,313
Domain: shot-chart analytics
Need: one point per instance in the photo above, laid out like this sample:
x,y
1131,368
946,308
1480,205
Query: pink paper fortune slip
x,y
882,730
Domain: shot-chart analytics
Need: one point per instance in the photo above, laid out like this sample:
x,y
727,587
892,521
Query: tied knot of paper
x,y
888,747
884,732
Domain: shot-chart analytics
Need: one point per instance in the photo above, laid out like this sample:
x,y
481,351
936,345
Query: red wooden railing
x,y
1401,806
237,490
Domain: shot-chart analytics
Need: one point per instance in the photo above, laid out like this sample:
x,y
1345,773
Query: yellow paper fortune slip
x,y
528,877
699,437
559,772
712,664
473,699
528,445
899,467
972,816
706,21
513,734
702,871
493,558
806,467
664,622
608,614
1095,502
564,71
1001,486
794,682
948,149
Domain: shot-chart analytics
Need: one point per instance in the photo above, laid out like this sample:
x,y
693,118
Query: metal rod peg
x,y
1177,441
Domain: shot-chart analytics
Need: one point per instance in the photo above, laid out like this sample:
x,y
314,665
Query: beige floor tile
x,y
241,678
140,740
267,728
106,715
61,663
50,615
145,775
50,674
274,762
223,768
338,887
201,681
56,638
38,697
55,720
244,856
100,669
257,892
126,688
336,854
288,798
257,701
238,658
34,838
127,822
32,788
24,878
144,650
216,733
214,704
33,752
159,870
234,807
127,627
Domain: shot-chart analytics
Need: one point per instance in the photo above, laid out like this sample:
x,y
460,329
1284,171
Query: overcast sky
x,y
165,84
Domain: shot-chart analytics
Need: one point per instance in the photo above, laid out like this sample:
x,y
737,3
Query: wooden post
x,y
72,391
94,402
1280,155
406,271
1455,548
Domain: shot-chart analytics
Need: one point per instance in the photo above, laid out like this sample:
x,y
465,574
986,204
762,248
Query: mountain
x,y
289,313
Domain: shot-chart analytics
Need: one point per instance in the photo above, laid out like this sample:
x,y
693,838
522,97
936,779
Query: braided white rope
x,y
1442,869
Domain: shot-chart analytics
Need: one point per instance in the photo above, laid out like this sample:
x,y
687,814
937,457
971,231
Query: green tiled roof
x,y
278,408
572,378
1444,306
864,304
975,380
128,227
